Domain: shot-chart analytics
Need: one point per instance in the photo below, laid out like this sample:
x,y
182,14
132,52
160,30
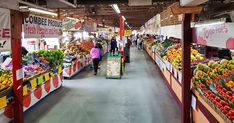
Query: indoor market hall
x,y
116,61
140,96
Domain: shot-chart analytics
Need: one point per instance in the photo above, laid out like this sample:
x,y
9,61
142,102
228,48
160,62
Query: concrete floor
x,y
139,97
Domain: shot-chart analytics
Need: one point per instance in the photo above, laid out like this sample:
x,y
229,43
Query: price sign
x,y
3,102
40,80
194,102
33,83
47,77
60,70
25,90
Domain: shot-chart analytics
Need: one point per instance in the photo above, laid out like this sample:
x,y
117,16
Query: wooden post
x,y
16,30
59,14
186,69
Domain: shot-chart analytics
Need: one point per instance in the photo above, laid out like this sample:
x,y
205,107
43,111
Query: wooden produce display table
x,y
204,113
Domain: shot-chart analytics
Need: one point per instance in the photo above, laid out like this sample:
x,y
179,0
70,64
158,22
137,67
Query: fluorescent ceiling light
x,y
116,8
68,3
123,18
31,5
72,18
210,23
42,11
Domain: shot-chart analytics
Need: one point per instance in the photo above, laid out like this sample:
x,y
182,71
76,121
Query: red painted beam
x,y
16,29
186,69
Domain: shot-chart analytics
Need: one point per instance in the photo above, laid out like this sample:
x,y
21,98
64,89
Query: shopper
x,y
100,47
140,43
113,45
225,54
127,50
24,51
95,54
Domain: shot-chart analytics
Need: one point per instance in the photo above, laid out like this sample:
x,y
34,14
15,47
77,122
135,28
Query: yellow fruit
x,y
4,82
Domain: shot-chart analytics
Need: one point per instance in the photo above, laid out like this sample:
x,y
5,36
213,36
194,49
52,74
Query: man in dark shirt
x,y
113,45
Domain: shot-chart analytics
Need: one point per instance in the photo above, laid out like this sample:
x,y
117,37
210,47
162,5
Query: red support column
x,y
186,69
16,30
121,33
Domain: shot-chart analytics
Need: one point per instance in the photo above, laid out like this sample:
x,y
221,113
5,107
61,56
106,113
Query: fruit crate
x,y
224,117
216,109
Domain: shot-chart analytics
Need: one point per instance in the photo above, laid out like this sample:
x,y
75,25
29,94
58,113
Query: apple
x,y
38,92
224,111
217,99
55,81
8,112
47,86
230,43
74,68
61,77
27,100
229,93
218,105
227,108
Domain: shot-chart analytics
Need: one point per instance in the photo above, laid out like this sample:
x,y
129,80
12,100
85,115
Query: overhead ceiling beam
x,y
95,2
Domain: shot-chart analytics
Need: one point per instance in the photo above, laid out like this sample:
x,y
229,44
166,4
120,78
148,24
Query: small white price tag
x,y
19,74
194,102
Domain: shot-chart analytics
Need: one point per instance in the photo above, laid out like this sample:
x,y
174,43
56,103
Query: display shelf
x,y
204,113
76,66
32,94
203,108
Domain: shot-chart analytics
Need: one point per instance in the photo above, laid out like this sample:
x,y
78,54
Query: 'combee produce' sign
x,y
5,31
41,27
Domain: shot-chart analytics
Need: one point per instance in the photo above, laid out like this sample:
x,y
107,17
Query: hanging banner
x,y
220,35
5,30
73,25
41,27
90,26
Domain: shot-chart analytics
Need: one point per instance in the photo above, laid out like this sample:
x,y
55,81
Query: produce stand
x,y
201,96
27,79
77,57
114,66
71,69
34,90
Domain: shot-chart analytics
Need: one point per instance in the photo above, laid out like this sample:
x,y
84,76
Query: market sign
x,y
90,26
5,30
127,32
41,27
69,24
219,35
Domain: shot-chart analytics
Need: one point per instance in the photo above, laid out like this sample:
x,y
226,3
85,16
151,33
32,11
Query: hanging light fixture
x,y
210,22
68,3
123,18
116,8
42,11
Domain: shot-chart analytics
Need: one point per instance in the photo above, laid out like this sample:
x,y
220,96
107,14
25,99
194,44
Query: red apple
x,y
217,99
8,112
61,77
38,92
55,81
227,108
224,111
74,68
68,70
230,43
47,86
27,100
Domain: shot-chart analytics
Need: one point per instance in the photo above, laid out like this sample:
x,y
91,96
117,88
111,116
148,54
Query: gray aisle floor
x,y
139,97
